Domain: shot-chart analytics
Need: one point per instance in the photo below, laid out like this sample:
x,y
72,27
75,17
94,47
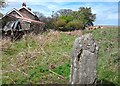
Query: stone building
x,y
20,21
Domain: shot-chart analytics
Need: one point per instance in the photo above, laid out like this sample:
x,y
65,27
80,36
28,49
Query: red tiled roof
x,y
30,20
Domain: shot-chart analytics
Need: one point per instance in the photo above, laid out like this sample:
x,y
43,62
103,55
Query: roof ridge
x,y
14,9
27,10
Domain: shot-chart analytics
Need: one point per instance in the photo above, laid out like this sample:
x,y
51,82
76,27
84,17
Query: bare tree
x,y
3,3
40,15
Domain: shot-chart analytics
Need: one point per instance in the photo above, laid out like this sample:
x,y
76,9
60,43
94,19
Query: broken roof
x,y
23,16
29,20
23,7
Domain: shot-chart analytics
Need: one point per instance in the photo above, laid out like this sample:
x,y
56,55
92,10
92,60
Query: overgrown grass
x,y
45,58
107,40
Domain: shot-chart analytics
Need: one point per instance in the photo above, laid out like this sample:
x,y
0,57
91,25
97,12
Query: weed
x,y
45,58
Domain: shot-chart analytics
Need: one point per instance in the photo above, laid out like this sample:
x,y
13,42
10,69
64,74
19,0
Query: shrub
x,y
68,18
76,24
60,23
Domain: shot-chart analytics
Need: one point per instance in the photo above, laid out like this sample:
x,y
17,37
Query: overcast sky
x,y
106,12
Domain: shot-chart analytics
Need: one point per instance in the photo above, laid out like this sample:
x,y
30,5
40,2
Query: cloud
x,y
106,12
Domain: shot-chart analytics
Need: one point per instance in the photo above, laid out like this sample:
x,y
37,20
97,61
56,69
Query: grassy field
x,y
45,58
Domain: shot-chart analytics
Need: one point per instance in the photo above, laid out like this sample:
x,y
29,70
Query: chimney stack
x,y
24,4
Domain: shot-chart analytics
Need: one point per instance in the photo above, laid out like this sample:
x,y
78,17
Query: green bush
x,y
68,18
76,24
60,23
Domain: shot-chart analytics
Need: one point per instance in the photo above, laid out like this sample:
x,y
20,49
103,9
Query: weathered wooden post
x,y
84,60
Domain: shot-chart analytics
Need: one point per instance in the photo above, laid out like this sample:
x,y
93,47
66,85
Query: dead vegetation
x,y
5,43
46,58
74,33
35,50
